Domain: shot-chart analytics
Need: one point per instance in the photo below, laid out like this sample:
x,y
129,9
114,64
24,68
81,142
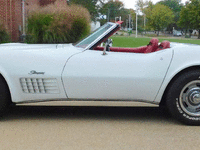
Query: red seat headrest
x,y
163,45
152,46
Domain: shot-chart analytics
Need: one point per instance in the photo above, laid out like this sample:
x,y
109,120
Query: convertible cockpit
x,y
153,46
101,35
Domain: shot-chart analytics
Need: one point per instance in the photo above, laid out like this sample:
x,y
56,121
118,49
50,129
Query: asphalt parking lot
x,y
28,127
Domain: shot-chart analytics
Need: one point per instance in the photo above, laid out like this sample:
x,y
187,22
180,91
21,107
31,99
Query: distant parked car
x,y
177,33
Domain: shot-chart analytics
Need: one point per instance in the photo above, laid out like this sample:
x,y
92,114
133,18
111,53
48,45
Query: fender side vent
x,y
39,85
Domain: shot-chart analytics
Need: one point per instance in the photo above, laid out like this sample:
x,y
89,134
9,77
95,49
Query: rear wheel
x,y
5,99
183,98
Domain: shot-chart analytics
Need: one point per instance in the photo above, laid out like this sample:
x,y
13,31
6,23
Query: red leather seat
x,y
125,50
163,45
152,46
128,50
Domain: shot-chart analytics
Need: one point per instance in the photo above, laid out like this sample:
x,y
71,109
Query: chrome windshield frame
x,y
114,25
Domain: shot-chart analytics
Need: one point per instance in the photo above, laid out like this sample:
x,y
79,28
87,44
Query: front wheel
x,y
5,99
183,98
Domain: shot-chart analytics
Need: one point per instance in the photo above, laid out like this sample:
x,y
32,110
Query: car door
x,y
116,75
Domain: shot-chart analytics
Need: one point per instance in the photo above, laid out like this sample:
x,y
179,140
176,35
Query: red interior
x,y
151,47
128,50
163,45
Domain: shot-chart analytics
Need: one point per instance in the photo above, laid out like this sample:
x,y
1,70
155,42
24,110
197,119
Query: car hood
x,y
24,46
48,58
44,51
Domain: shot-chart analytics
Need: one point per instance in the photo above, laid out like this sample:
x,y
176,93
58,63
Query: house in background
x,y
11,15
94,25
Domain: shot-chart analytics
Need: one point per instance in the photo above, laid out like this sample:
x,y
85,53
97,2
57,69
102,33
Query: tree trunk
x,y
199,34
190,34
158,33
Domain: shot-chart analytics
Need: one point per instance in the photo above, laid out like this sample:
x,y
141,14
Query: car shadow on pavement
x,y
142,114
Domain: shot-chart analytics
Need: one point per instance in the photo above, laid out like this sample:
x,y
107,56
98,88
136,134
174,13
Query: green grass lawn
x,y
122,41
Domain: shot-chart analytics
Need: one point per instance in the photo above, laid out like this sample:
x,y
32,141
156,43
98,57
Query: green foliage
x,y
112,8
184,18
133,16
57,24
190,16
142,4
194,13
124,15
38,28
187,36
91,5
175,6
140,29
140,21
80,25
159,17
4,36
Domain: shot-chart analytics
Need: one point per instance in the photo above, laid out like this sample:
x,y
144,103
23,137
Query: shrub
x,y
187,36
38,26
57,23
4,36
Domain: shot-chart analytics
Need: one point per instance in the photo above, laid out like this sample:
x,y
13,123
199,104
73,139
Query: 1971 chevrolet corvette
x,y
163,73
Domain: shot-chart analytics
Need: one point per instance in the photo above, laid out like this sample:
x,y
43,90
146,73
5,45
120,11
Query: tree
x,y
183,20
194,15
91,5
123,13
112,9
149,8
175,6
139,20
133,15
159,17
190,16
142,4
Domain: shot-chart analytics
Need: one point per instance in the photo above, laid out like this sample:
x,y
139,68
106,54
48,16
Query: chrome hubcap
x,y
194,96
190,98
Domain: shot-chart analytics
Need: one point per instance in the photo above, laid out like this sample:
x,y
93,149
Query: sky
x,y
132,3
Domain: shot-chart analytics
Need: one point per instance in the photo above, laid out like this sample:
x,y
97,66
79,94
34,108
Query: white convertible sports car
x,y
163,73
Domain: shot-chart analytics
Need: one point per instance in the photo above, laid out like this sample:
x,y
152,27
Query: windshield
x,y
96,35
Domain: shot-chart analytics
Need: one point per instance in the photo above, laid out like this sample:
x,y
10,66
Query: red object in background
x,y
119,22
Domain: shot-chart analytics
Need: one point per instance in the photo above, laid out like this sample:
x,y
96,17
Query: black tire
x,y
183,98
5,99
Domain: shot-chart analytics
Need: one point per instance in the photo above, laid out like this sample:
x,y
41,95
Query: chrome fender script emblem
x,y
35,72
